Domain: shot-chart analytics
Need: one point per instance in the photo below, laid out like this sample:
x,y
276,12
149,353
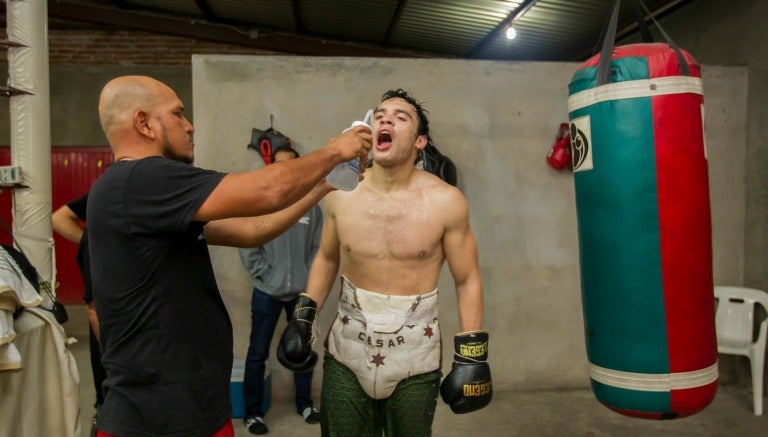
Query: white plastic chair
x,y
734,322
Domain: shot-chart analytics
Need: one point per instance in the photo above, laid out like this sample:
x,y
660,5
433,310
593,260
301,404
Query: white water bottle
x,y
346,175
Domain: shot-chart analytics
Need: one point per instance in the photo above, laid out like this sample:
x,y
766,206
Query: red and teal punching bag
x,y
645,246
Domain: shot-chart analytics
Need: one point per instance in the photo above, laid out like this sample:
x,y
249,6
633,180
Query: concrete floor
x,y
551,413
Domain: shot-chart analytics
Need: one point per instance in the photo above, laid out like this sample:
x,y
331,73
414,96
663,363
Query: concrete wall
x,y
75,96
496,120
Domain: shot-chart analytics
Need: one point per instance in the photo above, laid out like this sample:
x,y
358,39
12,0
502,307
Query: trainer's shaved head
x,y
123,96
142,117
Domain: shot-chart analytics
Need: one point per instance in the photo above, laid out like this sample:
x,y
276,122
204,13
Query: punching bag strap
x,y
606,53
642,26
683,64
603,67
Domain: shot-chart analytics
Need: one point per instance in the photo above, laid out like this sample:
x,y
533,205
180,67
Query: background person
x,y
278,271
67,221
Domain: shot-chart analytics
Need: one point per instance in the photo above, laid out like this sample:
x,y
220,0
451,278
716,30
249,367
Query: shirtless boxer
x,y
390,237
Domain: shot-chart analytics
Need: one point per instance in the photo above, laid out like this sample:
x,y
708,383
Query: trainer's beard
x,y
168,152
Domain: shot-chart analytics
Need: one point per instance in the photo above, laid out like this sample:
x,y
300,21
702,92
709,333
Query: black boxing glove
x,y
295,348
468,386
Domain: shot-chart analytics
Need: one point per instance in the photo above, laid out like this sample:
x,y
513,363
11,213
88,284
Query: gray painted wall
x,y
75,96
496,120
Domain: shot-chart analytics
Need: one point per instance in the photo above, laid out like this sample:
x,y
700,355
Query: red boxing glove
x,y
559,156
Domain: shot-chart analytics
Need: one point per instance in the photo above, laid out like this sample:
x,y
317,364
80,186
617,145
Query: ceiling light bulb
x,y
511,32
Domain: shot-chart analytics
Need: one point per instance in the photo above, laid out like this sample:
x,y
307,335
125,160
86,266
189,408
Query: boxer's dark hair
x,y
421,113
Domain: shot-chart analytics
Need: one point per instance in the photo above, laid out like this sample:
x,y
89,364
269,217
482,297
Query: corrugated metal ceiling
x,y
555,30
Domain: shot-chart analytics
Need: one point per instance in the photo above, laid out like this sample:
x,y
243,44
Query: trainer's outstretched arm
x,y
276,186
256,231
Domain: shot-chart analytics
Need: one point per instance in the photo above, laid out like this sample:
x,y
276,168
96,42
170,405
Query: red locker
x,y
73,170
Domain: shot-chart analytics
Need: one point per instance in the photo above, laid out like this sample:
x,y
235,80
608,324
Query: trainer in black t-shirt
x,y
166,337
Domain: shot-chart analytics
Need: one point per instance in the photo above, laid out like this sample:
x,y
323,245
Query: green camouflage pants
x,y
346,410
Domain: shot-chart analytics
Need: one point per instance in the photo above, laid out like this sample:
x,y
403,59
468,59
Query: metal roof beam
x,y
297,21
395,19
205,8
225,34
501,27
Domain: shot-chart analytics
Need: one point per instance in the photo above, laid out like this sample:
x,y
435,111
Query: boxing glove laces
x,y
468,386
295,348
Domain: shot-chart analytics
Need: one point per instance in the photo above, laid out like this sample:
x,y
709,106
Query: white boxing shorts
x,y
384,339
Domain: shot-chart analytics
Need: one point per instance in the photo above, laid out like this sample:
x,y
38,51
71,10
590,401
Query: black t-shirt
x,y
79,206
166,337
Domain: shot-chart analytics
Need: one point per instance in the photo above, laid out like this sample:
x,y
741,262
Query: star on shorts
x,y
428,332
378,360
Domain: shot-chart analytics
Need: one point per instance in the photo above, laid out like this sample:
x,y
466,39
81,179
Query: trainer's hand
x,y
354,143
468,387
295,348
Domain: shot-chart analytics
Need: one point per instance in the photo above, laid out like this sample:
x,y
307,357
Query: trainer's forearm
x,y
268,189
256,231
296,177
275,224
